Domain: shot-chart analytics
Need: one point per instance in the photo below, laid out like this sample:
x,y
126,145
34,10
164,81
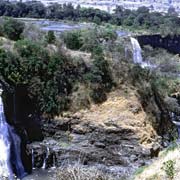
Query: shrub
x,y
13,28
98,94
73,40
78,172
48,78
50,37
169,169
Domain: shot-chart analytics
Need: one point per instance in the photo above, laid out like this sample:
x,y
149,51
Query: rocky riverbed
x,y
117,141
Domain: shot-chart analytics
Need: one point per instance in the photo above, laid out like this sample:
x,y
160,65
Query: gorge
x,y
87,101
10,149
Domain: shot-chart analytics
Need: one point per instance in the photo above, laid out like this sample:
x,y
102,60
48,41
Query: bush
x,y
78,172
13,28
98,94
49,78
50,37
73,40
168,167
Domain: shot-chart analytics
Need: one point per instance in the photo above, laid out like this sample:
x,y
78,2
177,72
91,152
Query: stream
x,y
41,174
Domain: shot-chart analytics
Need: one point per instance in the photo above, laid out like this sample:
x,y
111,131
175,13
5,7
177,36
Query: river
x,y
62,26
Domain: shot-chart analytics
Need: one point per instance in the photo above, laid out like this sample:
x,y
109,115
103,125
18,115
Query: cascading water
x,y
137,52
10,149
176,123
46,158
137,55
32,152
54,161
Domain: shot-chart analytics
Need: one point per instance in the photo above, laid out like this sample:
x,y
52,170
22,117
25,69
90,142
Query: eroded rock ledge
x,y
115,137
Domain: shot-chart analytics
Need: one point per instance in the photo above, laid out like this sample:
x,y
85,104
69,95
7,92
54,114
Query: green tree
x,y
50,37
13,28
73,39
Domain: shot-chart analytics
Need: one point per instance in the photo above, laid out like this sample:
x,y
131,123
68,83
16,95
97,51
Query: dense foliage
x,y
50,76
11,28
142,18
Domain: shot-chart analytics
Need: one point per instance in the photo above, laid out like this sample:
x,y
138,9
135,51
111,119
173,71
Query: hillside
x,y
83,102
165,167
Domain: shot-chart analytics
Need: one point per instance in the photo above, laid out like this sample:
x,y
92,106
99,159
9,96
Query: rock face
x,y
118,136
117,139
110,148
20,113
170,43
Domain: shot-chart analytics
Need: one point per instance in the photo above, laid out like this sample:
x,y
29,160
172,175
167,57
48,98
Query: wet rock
x,y
99,145
90,145
155,150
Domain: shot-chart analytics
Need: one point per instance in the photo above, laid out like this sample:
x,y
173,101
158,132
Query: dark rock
x,y
155,150
99,145
108,147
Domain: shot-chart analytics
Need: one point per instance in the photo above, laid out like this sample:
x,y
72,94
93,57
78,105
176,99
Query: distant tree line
x,y
141,18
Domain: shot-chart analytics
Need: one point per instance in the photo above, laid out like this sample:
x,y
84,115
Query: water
x,y
32,153
46,158
41,174
57,26
137,52
61,27
175,121
54,161
121,33
137,55
10,149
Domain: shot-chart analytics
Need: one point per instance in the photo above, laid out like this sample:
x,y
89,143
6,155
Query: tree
x,y
13,28
50,37
73,39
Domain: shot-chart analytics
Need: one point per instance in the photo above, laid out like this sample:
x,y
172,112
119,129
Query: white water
x,y
137,52
175,121
45,159
32,152
54,161
5,167
10,148
137,55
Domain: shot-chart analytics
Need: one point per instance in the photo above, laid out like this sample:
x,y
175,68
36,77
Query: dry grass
x,y
78,172
6,44
156,171
79,55
123,109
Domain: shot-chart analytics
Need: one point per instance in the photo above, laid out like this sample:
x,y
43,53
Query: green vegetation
x,y
79,172
50,37
11,28
51,76
168,167
140,19
73,40
140,170
170,148
89,40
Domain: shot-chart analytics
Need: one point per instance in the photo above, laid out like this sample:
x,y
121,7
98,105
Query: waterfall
x,y
137,52
54,161
10,148
32,155
137,55
46,158
175,121
178,127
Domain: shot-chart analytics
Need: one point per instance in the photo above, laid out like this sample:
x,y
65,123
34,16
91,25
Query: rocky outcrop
x,y
170,43
109,148
21,114
118,136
